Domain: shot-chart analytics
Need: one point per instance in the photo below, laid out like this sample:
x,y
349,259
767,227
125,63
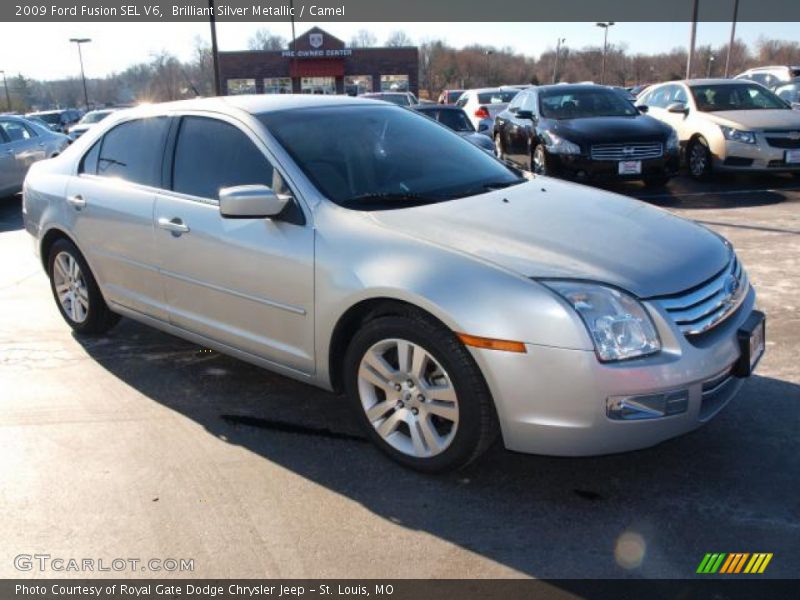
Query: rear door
x,y
8,178
247,283
25,146
110,208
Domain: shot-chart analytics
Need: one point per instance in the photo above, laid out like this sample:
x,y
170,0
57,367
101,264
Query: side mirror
x,y
677,107
642,108
251,202
524,114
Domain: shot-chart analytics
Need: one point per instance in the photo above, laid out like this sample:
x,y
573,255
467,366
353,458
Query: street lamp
x,y
8,96
711,60
488,69
80,41
606,25
558,52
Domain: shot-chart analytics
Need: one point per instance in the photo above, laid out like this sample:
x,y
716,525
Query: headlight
x,y
672,141
558,145
618,323
736,135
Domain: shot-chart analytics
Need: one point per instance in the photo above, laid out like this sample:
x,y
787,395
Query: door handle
x,y
175,225
77,202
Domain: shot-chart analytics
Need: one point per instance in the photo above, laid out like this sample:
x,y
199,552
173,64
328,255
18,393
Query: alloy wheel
x,y
539,161
70,287
408,398
698,159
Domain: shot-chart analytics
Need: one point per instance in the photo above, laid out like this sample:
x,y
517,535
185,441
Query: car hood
x,y
756,120
611,129
552,228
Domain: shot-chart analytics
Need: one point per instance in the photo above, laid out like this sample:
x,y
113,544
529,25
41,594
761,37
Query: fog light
x,y
650,406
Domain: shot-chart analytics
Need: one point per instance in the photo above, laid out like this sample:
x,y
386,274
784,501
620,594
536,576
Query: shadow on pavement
x,y
731,486
11,213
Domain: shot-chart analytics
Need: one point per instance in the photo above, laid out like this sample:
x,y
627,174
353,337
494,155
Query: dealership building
x,y
319,63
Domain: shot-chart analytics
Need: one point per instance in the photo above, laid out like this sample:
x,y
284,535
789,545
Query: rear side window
x,y
16,132
212,154
133,151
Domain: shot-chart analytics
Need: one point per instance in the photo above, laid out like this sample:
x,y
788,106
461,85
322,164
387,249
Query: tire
x,y
446,402
538,163
498,147
656,181
76,292
698,159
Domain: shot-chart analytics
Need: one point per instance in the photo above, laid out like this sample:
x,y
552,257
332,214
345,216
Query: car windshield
x,y
49,117
454,119
454,95
376,157
741,96
94,117
497,97
582,104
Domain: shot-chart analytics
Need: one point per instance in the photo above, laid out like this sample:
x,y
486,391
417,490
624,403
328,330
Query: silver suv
x,y
448,297
770,77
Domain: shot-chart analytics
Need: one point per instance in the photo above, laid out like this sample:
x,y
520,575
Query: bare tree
x,y
398,39
263,39
363,39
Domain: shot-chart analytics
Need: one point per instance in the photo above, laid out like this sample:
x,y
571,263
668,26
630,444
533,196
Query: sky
x,y
47,54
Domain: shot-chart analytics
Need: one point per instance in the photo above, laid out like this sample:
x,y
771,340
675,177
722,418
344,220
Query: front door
x,y
247,283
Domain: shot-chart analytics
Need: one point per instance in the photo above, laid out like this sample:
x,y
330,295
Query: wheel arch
x,y
48,239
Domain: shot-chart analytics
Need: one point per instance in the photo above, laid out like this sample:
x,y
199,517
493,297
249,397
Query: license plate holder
x,y
792,157
752,342
630,167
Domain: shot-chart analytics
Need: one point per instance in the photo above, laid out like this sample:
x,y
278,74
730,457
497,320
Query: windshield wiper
x,y
387,197
499,185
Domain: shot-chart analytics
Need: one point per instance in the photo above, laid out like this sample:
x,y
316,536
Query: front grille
x,y
784,142
701,308
632,151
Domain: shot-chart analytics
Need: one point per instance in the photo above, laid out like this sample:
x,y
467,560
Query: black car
x,y
456,119
585,132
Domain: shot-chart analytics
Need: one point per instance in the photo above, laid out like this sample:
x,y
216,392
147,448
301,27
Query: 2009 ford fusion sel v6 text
x,y
367,249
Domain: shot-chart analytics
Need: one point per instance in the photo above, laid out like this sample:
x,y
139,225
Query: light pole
x,y
733,38
488,69
692,41
711,60
5,85
606,25
558,52
80,41
212,19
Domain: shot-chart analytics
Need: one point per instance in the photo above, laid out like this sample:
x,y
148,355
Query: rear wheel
x,y
419,394
76,292
698,157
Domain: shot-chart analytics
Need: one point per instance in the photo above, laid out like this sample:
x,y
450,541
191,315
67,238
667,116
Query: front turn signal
x,y
491,344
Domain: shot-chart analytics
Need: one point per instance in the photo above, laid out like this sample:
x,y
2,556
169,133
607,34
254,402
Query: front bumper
x,y
582,167
553,400
763,156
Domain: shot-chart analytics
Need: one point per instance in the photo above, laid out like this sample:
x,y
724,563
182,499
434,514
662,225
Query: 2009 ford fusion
x,y
448,297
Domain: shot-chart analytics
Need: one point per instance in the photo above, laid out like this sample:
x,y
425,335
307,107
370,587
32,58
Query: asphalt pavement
x,y
140,445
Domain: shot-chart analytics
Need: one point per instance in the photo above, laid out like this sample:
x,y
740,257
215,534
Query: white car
x,y
484,104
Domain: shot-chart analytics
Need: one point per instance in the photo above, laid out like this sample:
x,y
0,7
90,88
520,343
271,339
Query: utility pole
x,y
606,25
711,60
5,85
558,53
733,38
294,49
692,40
212,18
80,41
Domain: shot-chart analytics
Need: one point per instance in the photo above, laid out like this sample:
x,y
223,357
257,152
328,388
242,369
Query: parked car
x,y
638,89
585,132
445,295
22,143
728,125
624,92
456,119
399,98
58,120
89,119
483,105
450,96
770,77
790,92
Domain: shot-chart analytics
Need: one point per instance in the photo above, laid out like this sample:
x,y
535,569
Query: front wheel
x,y
76,292
699,160
498,147
419,394
539,163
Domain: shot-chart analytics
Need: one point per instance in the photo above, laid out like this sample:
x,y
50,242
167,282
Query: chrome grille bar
x,y
631,151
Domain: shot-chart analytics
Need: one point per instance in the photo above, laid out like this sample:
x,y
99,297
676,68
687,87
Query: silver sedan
x,y
22,143
449,298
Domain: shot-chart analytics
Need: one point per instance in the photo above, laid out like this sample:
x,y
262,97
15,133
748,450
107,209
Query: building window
x,y
357,84
394,83
278,85
241,86
318,85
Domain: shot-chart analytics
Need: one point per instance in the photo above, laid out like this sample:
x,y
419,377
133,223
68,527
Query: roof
x,y
431,107
571,87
